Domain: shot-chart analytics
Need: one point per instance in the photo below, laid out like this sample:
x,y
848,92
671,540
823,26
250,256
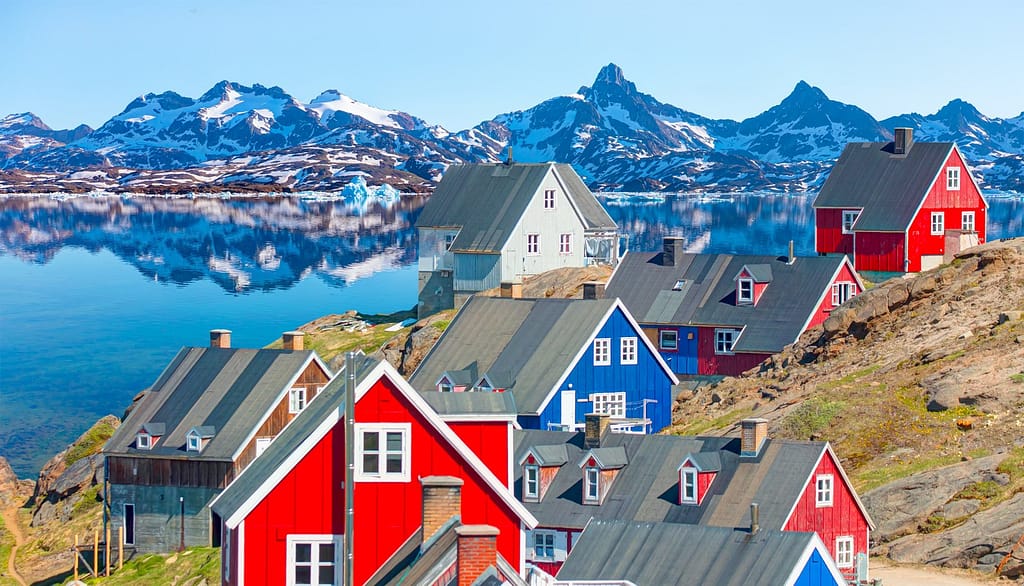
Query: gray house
x,y
496,223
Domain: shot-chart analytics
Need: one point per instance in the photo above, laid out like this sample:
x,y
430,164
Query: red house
x,y
416,481
901,206
568,480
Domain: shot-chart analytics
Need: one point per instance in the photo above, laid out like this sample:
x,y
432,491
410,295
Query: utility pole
x,y
181,545
350,463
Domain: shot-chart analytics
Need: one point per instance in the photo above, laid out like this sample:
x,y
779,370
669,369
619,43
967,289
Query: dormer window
x,y
194,443
591,485
600,467
745,291
144,441
444,386
531,481
148,435
540,465
696,474
688,486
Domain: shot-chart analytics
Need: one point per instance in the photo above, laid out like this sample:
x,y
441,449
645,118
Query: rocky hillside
x,y
919,385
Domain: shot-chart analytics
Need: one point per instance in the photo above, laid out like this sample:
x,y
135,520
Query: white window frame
x,y
749,297
543,541
628,350
533,244
314,541
143,441
967,219
449,239
193,443
688,481
565,243
720,335
953,178
534,470
844,551
262,443
382,429
824,486
611,404
842,291
602,351
549,199
938,223
297,400
849,219
661,340
591,484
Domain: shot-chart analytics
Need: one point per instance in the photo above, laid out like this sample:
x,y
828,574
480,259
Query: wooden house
x,y
902,206
560,358
416,483
569,480
670,554
724,314
488,224
208,416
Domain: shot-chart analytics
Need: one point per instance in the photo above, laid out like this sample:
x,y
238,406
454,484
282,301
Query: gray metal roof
x,y
708,298
529,341
228,389
705,461
647,488
610,458
486,201
668,554
331,398
550,455
452,404
761,273
889,188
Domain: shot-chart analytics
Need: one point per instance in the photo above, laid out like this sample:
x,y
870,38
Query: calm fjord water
x,y
97,294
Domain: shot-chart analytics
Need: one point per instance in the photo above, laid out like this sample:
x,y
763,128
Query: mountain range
x,y
244,138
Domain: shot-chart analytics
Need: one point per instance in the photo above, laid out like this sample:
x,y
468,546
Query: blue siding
x,y
477,272
644,380
683,360
815,572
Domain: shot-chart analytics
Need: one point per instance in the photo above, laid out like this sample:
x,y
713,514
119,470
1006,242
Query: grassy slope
x,y
193,564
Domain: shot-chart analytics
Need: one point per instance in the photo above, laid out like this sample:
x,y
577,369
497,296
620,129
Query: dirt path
x,y
10,516
912,576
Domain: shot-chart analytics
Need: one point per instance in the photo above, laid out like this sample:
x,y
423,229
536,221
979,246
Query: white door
x,y
569,408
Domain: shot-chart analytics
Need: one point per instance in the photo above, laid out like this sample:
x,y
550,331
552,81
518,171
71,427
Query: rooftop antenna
x,y
509,160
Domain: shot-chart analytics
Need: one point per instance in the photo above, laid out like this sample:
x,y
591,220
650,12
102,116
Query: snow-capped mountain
x,y
254,137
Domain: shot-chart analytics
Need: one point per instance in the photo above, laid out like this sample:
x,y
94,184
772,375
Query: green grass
x,y
90,444
6,542
849,378
1013,465
1017,378
811,417
89,501
442,324
867,479
699,427
169,570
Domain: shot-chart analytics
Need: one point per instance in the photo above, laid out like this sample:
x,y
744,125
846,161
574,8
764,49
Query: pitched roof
x,y
708,296
890,188
313,423
228,389
667,554
458,405
646,489
486,201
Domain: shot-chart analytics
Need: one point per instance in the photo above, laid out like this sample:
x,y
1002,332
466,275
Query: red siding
x,y
758,291
879,251
828,232
822,312
704,480
842,518
309,500
489,441
730,364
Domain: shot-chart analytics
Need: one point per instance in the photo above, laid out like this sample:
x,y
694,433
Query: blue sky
x,y
459,63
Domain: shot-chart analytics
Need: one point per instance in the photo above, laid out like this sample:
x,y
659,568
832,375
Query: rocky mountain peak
x,y
803,95
13,121
610,81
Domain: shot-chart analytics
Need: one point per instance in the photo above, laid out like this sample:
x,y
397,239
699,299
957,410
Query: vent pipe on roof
x,y
508,160
755,521
902,139
593,290
792,257
595,426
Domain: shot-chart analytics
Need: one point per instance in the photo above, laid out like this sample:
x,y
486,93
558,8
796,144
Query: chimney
x,y
902,139
596,426
477,551
511,290
752,437
593,290
220,338
672,251
792,257
442,500
292,340
508,160
755,520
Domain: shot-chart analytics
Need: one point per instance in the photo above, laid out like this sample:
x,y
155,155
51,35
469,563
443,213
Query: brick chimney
x,y
902,140
593,290
595,428
753,434
442,500
292,340
477,551
671,251
220,338
512,290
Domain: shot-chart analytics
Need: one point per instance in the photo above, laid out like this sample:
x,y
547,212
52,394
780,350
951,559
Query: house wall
x,y
313,379
643,380
310,498
436,292
433,252
549,224
729,364
158,515
823,310
565,539
880,251
683,360
476,272
841,519
489,440
828,232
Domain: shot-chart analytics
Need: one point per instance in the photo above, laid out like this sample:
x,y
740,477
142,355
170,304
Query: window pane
x,y
326,553
394,441
303,575
370,464
303,552
394,463
326,574
371,440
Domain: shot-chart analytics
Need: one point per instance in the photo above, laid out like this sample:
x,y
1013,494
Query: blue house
x,y
560,358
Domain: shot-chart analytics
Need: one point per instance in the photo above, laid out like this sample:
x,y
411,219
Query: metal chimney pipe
x,y
792,257
350,464
754,519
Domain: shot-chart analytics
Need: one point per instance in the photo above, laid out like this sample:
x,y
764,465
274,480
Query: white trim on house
x,y
533,244
846,540
734,336
296,400
952,178
747,299
815,544
262,443
612,404
628,350
688,473
527,469
313,540
565,243
824,490
602,351
553,199
937,228
964,215
382,430
240,554
383,369
143,445
853,223
591,485
969,174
